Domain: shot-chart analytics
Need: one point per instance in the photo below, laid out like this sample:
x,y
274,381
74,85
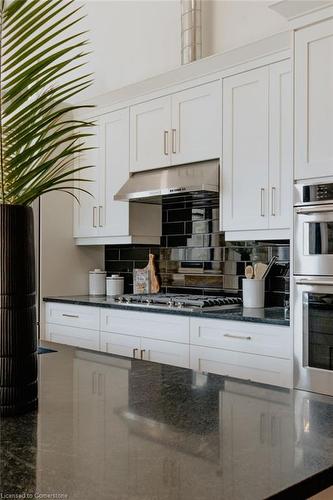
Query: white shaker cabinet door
x,y
86,205
245,151
113,216
196,133
168,353
150,145
123,345
280,145
313,101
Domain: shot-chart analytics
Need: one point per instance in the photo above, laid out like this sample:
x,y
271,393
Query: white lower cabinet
x,y
252,351
69,335
123,345
168,353
263,369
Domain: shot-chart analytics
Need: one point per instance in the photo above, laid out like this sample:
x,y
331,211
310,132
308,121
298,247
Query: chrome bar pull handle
x,y
273,201
315,282
166,142
100,208
94,216
70,315
262,201
174,141
314,210
241,337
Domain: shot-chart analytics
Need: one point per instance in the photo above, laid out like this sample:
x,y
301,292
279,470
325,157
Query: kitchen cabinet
x,y
99,215
242,365
180,128
74,325
99,219
150,134
313,101
197,124
123,345
162,338
170,353
246,350
87,204
257,150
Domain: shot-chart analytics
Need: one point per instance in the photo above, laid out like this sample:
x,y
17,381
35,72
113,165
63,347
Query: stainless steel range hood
x,y
191,179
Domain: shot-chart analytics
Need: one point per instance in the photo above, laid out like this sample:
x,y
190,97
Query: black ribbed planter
x,y
18,328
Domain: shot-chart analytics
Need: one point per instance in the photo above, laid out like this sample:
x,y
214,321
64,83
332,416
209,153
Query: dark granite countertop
x,y
112,428
269,315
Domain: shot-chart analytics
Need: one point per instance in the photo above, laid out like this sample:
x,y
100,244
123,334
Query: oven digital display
x,y
317,193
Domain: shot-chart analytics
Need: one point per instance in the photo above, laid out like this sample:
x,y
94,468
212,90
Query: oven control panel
x,y
317,193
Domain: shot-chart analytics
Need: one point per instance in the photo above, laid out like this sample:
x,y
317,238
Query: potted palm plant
x,y
41,59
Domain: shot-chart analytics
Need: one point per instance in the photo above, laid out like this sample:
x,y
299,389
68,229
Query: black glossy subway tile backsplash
x,y
194,258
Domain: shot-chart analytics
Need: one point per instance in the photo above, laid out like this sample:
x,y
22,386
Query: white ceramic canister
x,y
253,293
97,282
114,285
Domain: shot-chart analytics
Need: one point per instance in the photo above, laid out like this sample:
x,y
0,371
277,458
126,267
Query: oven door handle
x,y
315,282
314,210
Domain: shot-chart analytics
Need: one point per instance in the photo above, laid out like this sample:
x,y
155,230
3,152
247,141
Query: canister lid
x,y
115,277
97,271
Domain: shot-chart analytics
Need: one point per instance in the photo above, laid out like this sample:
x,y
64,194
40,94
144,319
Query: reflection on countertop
x,y
269,315
113,428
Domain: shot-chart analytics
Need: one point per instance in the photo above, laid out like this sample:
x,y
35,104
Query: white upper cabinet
x,y
99,219
280,145
86,205
150,134
197,123
114,215
245,150
181,128
313,101
257,150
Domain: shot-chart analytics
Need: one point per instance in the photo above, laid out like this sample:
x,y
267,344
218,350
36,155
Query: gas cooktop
x,y
179,301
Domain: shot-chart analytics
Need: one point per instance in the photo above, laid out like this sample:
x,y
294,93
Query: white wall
x,y
63,265
230,23
136,39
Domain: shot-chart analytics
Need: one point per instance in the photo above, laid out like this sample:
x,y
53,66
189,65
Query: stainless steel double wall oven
x,y
313,274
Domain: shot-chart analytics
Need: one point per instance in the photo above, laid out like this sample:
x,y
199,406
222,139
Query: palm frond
x,y
41,60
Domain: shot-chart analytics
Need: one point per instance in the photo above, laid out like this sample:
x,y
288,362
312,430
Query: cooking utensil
x,y
249,272
259,270
269,267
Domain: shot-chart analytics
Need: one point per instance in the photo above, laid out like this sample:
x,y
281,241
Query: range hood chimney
x,y
193,181
191,43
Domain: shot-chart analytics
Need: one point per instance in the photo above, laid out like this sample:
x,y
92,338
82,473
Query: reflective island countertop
x,y
112,428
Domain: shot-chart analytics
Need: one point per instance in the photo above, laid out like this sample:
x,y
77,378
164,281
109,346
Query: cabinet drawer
x,y
69,335
168,353
73,315
152,325
263,369
124,345
263,339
